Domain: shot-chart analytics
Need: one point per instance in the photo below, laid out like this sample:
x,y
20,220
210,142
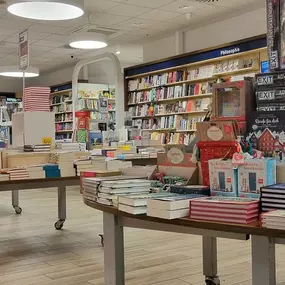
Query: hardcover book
x,y
190,189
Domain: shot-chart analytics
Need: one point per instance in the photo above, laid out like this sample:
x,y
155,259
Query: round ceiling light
x,y
89,41
49,10
14,71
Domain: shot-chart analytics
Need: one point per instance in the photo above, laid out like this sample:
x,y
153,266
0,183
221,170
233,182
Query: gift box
x,y
254,174
223,178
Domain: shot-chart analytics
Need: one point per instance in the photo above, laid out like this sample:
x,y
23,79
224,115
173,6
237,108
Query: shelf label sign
x,y
47,140
23,50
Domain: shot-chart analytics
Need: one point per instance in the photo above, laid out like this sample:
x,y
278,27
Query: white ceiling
x,y
129,21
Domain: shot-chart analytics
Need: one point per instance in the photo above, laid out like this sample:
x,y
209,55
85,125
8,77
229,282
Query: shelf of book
x,y
64,131
173,94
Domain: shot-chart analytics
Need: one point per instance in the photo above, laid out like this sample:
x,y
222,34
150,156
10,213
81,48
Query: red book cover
x,y
197,89
81,123
189,106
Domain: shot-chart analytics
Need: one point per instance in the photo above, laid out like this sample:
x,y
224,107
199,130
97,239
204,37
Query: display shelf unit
x,y
173,91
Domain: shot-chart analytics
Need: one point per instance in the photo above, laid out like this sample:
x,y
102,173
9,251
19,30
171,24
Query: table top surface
x,y
40,180
252,229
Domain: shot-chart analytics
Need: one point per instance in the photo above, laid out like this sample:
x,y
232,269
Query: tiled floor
x,y
33,252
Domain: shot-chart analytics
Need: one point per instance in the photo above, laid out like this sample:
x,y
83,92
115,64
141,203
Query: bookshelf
x,y
168,97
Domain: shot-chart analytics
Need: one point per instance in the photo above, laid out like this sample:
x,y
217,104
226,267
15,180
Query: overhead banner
x,y
23,50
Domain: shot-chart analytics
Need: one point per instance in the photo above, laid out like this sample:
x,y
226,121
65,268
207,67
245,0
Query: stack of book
x,y
109,191
225,209
71,147
173,207
98,162
4,177
65,162
274,220
90,188
82,165
36,99
137,204
272,197
118,164
37,148
16,173
36,171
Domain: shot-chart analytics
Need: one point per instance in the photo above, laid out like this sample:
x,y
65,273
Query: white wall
x,y
8,84
240,27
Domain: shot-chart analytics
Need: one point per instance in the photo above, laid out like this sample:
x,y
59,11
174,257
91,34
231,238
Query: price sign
x,y
46,140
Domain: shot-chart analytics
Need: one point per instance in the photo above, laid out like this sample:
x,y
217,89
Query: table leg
x,y
15,202
210,263
263,261
114,267
61,200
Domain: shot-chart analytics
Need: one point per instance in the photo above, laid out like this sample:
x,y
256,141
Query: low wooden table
x,y
263,243
28,184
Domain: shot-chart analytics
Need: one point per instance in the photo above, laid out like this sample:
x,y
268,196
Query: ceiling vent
x,y
107,31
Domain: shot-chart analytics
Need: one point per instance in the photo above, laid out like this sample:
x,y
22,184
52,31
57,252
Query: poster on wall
x,y
23,50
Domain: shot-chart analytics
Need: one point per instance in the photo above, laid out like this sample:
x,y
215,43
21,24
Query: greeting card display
x,y
254,174
223,178
233,101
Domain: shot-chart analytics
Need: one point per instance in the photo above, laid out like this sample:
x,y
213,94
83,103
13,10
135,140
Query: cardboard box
x,y
223,178
254,174
217,131
280,173
176,162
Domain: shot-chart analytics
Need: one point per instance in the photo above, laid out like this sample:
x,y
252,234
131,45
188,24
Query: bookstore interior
x,y
189,145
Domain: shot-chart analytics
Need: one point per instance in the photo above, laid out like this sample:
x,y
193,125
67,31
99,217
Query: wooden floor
x,y
32,252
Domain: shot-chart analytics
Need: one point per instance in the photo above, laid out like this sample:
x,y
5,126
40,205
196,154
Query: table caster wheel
x,y
102,239
18,210
59,224
213,281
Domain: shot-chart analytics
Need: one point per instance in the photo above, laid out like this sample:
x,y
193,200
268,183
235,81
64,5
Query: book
x,y
165,214
226,202
190,189
133,210
237,220
140,199
127,190
172,203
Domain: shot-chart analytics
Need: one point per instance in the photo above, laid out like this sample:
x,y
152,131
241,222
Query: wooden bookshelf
x,y
158,93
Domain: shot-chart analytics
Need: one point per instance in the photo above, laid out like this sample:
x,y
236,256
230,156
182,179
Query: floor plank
x,y
33,252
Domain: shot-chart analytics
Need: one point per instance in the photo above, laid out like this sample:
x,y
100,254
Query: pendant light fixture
x,y
49,10
14,71
88,40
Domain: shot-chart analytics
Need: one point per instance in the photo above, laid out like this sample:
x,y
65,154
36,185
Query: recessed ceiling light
x,y
184,7
118,52
50,10
88,41
14,71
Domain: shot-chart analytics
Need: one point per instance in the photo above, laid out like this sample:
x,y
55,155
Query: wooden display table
x,y
29,184
263,243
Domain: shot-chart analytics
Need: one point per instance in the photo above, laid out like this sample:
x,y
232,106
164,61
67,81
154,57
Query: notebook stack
x,y
65,163
110,190
272,197
225,209
137,204
37,148
36,99
173,207
274,220
36,172
17,173
98,162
